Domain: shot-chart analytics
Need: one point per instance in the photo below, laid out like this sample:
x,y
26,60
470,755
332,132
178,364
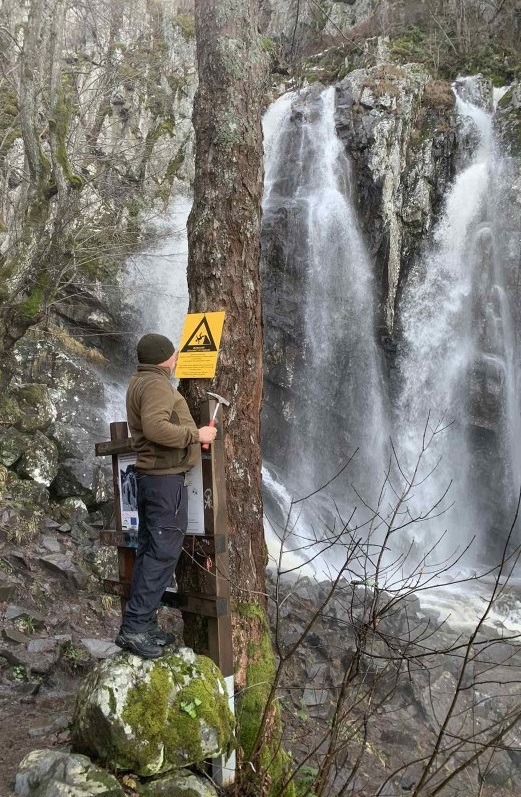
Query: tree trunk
x,y
223,274
224,252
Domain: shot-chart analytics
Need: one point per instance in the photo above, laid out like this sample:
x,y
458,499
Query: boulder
x,y
62,565
153,716
72,441
100,648
82,478
25,494
48,773
36,407
12,445
9,410
178,784
39,461
76,510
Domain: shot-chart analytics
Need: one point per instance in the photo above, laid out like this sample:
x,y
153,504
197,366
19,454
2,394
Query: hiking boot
x,y
141,644
162,638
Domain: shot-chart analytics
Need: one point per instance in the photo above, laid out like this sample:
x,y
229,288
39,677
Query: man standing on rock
x,y
167,441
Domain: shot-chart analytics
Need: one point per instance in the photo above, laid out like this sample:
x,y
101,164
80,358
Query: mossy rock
x,y
39,461
12,445
37,410
153,716
10,412
49,773
23,493
178,784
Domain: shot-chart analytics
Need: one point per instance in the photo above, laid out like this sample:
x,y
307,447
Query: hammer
x,y
220,400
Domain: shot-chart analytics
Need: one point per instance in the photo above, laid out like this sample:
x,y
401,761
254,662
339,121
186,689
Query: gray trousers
x,y
163,518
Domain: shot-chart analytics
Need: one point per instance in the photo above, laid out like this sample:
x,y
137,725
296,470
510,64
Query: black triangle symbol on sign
x,y
201,338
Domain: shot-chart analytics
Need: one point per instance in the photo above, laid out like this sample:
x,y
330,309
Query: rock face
x,y
47,773
299,24
151,717
400,130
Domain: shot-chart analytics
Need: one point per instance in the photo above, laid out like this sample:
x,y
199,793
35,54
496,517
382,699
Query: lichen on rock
x,y
39,461
153,716
48,773
178,784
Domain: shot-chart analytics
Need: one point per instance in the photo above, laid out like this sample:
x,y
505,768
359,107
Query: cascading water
x,y
458,392
457,389
334,398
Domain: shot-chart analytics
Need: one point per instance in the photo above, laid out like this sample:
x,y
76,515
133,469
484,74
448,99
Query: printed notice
x,y
128,492
128,495
199,346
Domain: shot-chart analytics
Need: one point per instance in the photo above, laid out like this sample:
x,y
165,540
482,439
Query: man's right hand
x,y
207,434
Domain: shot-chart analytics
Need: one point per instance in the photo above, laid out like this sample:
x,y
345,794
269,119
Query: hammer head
x,y
219,399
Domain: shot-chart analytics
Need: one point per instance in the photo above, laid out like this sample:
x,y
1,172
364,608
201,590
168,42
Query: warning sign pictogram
x,y
199,346
201,338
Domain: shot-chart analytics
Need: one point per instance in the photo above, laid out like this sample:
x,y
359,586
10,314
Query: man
x,y
167,442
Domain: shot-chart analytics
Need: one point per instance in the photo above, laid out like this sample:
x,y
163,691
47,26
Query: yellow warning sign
x,y
199,345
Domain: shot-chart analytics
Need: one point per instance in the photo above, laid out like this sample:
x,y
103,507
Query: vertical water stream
x,y
457,380
458,391
334,397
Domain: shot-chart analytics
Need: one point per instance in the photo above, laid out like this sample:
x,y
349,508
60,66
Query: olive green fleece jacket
x,y
163,432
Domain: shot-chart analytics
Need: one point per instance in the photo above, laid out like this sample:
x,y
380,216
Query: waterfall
x,y
456,371
456,391
333,400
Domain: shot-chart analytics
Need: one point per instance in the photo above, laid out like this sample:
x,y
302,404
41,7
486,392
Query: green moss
x,y
111,786
112,699
165,718
260,673
59,125
30,307
9,410
268,45
186,24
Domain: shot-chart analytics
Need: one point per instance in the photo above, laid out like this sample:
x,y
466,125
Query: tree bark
x,y
224,252
223,273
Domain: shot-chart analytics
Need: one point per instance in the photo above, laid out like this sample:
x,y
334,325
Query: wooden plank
x,y
112,447
220,629
194,544
205,605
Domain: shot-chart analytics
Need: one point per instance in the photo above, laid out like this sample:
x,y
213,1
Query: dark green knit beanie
x,y
153,349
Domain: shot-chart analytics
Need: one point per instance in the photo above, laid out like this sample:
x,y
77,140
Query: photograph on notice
x,y
128,491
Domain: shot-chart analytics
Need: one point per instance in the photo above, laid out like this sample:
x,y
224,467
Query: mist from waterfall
x,y
337,388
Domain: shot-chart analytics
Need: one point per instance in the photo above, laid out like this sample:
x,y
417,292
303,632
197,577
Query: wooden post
x,y
219,628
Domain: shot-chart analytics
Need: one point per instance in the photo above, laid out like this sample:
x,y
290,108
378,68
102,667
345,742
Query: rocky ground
x,y
56,623
405,666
